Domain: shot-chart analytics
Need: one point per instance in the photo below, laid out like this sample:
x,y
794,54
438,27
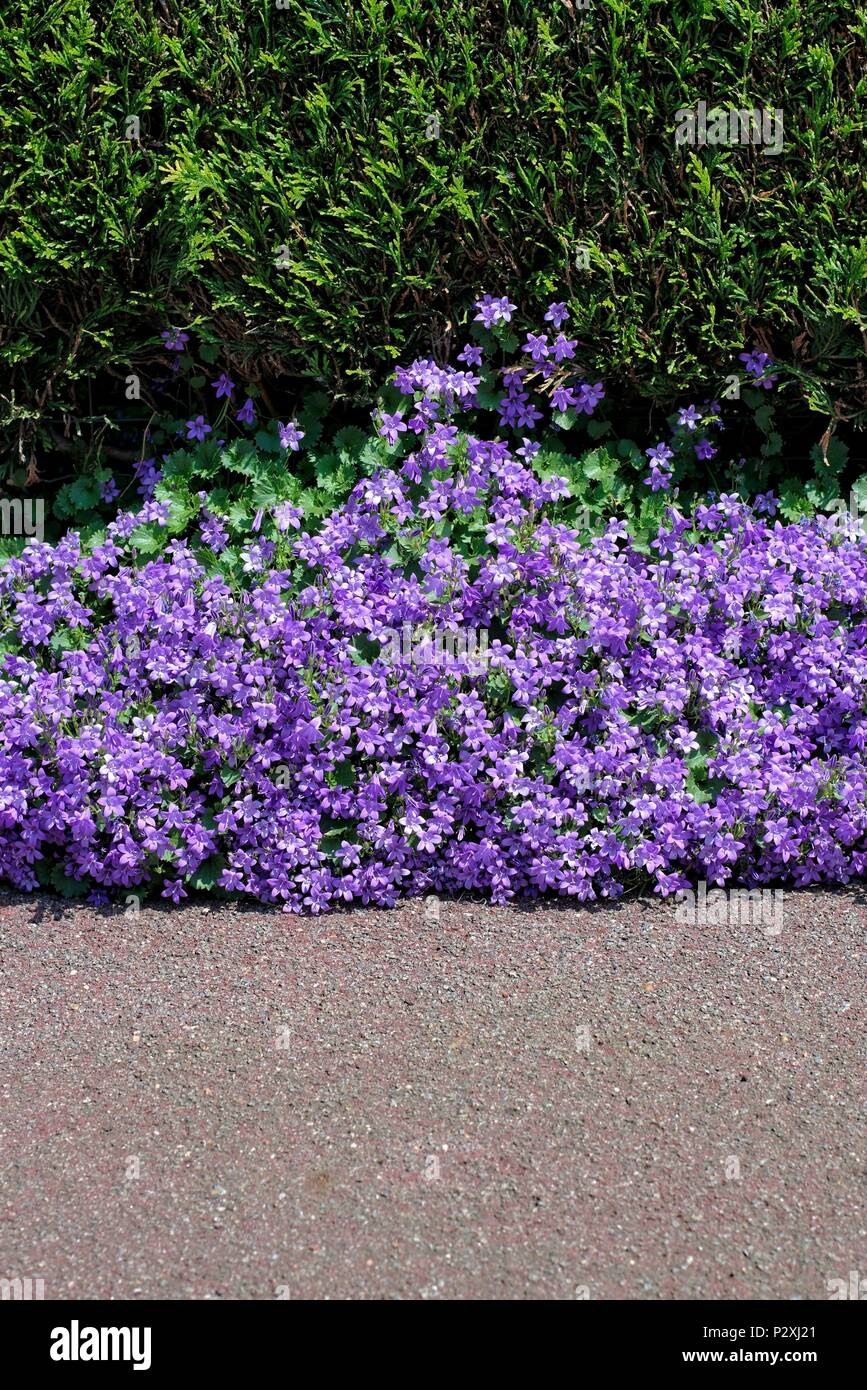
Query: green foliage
x,y
241,481
395,160
243,484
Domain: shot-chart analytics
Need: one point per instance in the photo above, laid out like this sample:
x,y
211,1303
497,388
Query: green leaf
x,y
207,876
268,441
148,539
365,650
345,775
696,791
66,885
598,428
596,464
350,440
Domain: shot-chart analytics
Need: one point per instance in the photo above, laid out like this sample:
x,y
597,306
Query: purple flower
x,y
759,365
471,354
223,386
290,436
672,713
173,340
660,455
660,467
147,475
590,396
197,429
557,314
214,534
390,426
564,347
286,515
562,397
537,346
704,449
689,417
493,311
247,414
766,504
708,721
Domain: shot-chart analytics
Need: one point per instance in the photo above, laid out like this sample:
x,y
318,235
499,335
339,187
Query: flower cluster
x,y
438,393
760,368
695,712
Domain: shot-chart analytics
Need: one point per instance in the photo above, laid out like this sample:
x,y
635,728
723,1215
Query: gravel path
x,y
207,1102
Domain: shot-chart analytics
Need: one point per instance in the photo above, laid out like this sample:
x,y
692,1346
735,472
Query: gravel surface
x,y
522,1102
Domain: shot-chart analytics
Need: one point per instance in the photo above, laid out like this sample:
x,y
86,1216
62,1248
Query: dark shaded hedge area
x,y
398,159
